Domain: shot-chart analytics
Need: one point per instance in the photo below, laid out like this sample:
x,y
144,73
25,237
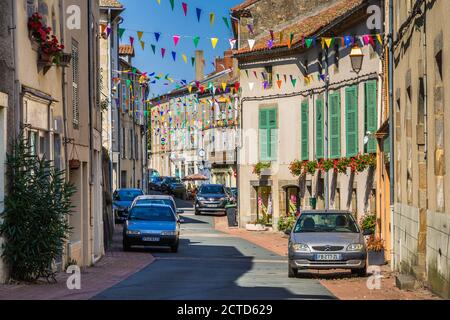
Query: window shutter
x,y
335,125
371,114
319,129
304,130
273,134
263,136
351,101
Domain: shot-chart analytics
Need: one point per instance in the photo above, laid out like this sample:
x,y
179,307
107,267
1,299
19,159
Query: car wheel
x,y
292,272
174,249
360,272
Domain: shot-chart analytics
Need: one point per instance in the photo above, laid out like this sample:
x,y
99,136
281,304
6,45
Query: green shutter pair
x,y
351,120
268,134
371,118
335,125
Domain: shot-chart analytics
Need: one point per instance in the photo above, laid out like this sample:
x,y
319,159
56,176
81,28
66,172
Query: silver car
x,y
326,240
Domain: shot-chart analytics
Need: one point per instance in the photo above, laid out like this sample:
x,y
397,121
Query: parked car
x,y
122,200
212,198
326,240
157,199
174,185
155,183
152,225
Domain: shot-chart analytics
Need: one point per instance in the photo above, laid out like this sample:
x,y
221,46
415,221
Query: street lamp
x,y
356,57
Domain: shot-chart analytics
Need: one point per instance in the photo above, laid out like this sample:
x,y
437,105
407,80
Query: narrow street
x,y
211,265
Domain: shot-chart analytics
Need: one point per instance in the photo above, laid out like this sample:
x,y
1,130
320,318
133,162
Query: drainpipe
x,y
110,132
391,124
16,66
64,99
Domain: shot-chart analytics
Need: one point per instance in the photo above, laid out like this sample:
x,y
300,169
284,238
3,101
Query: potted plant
x,y
368,224
256,225
375,251
262,168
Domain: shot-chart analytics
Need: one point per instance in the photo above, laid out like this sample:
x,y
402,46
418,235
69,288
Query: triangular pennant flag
x,y
279,82
250,28
176,39
348,41
153,48
291,39
251,43
121,31
143,45
174,55
131,41
184,5
246,71
366,40
214,42
103,28
308,42
232,43
189,89
271,35
163,52
172,4
270,44
255,74
225,19
140,34
224,85
236,86
251,85
196,40
157,35
184,58
211,18
199,13
281,37
327,41
193,62
379,39
294,81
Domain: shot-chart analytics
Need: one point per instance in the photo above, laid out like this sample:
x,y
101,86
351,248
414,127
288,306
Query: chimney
x,y
199,65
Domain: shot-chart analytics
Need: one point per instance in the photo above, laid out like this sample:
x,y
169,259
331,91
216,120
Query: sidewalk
x,y
341,283
113,268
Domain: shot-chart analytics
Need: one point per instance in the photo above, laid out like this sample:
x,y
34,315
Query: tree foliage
x,y
35,221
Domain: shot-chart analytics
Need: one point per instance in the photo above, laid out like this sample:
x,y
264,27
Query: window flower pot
x,y
376,258
45,59
74,164
64,59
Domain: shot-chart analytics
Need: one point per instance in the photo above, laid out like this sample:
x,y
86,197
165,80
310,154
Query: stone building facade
x,y
291,114
421,220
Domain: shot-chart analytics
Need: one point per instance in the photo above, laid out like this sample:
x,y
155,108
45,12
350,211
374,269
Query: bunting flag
x,y
184,58
211,18
157,36
291,39
143,45
281,37
190,89
225,20
176,39
279,82
294,81
214,42
121,32
379,39
193,62
199,13
251,43
308,42
103,28
174,55
246,71
326,42
153,48
348,41
184,5
224,85
270,44
250,28
251,85
140,34
232,43
271,35
131,41
163,52
172,4
196,40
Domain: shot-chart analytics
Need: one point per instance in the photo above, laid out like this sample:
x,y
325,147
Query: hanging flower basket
x,y
45,59
74,164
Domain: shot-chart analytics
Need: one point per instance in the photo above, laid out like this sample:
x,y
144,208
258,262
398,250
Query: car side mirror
x,y
287,232
368,232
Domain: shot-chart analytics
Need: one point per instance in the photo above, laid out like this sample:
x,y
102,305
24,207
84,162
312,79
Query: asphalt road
x,y
211,265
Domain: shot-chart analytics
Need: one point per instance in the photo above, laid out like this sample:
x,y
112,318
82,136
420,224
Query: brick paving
x,y
341,283
113,268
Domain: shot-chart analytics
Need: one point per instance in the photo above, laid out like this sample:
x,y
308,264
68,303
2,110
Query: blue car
x,y
122,200
152,225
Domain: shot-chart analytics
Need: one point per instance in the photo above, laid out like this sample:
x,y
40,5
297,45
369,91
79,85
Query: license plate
x,y
328,257
151,239
211,206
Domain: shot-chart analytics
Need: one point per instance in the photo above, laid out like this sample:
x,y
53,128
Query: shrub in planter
x,y
375,251
286,223
369,222
260,166
35,224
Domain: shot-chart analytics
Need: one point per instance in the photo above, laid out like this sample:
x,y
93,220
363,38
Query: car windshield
x,y
152,214
173,180
212,190
128,195
166,202
317,222
156,179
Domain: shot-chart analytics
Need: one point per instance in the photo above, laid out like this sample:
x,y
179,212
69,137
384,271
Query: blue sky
x,y
149,16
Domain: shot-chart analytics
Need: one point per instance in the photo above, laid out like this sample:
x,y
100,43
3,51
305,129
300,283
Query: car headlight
x,y
223,199
200,198
169,233
300,247
133,232
355,247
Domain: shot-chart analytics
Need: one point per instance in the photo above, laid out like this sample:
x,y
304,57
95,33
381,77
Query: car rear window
x,y
166,202
316,222
151,213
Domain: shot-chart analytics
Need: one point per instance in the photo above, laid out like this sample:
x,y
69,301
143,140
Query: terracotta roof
x,y
244,5
126,49
306,27
110,4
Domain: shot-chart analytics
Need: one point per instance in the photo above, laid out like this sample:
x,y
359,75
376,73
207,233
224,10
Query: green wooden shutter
x,y
335,125
304,130
272,134
263,137
319,129
371,118
351,102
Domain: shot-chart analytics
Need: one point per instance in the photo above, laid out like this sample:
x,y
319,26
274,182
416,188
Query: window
x,y
319,129
75,82
351,104
32,141
335,125
268,134
305,130
371,115
31,7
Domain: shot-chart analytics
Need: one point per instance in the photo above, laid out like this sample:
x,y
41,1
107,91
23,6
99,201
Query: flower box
x,y
74,164
255,227
376,258
64,59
